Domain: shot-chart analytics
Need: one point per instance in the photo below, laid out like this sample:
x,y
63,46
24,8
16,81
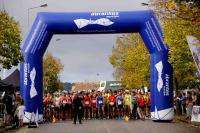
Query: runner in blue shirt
x,y
119,101
100,105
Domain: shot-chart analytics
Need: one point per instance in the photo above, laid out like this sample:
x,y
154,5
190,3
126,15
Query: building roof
x,y
80,86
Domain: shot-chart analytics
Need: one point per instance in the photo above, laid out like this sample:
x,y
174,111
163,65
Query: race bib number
x,y
111,103
86,102
93,101
100,102
64,101
119,102
57,104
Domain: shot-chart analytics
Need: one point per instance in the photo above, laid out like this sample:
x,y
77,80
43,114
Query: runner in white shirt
x,y
57,103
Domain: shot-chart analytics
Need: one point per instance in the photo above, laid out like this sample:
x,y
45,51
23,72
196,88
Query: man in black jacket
x,y
78,106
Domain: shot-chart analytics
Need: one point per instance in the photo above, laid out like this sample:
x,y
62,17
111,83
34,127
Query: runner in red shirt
x,y
141,105
87,106
45,100
45,103
112,101
64,105
94,106
69,106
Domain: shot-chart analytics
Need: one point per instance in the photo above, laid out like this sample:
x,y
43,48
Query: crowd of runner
x,y
118,104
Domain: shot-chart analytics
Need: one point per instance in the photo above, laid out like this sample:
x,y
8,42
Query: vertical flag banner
x,y
194,45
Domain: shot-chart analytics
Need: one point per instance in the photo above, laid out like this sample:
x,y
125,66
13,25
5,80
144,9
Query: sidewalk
x,y
182,118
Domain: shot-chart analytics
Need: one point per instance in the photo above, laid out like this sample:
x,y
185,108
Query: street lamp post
x,y
98,77
43,5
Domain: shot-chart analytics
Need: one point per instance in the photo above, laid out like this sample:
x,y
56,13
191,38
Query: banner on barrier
x,y
196,114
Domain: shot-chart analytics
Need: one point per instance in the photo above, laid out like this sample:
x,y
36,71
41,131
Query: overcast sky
x,y
85,57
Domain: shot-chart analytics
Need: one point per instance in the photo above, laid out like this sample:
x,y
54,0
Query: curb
x,y
183,120
2,130
193,124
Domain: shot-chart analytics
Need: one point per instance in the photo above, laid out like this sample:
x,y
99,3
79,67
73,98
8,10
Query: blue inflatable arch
x,y
47,24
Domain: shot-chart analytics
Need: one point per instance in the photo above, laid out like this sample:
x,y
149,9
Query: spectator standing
x,y
178,104
194,98
18,98
183,102
20,113
189,105
7,99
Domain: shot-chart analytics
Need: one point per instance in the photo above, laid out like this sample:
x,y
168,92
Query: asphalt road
x,y
111,126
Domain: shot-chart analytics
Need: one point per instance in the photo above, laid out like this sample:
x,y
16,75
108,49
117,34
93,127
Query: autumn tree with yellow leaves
x,y
52,67
131,59
181,18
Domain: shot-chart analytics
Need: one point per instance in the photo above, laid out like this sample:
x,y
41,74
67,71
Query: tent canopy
x,y
13,79
2,84
4,87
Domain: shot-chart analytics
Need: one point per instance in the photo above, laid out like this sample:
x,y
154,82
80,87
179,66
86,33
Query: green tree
x,y
130,59
193,2
9,41
180,18
52,67
180,55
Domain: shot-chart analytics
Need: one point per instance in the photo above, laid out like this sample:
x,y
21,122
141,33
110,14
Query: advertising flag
x,y
194,45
